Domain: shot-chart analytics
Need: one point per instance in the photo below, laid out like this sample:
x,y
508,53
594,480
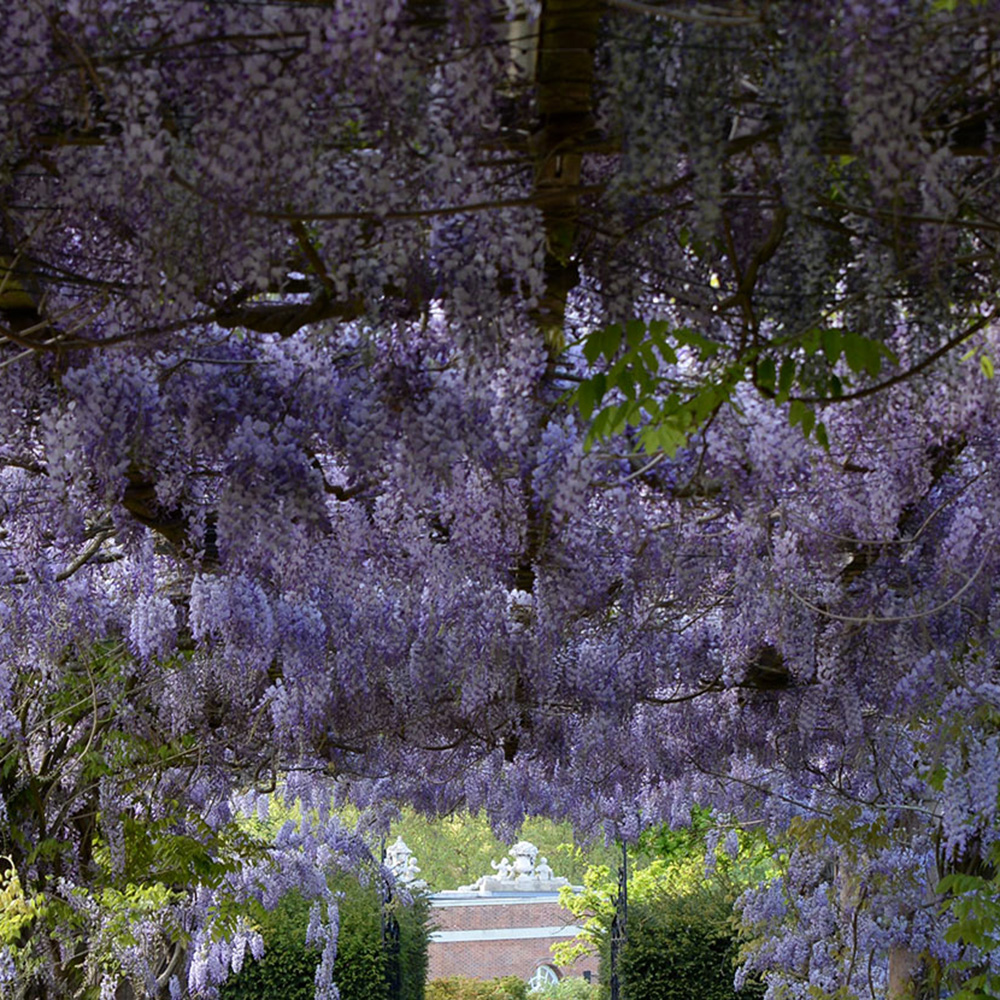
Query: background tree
x,y
455,850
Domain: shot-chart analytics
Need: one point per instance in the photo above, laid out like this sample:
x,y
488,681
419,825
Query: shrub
x,y
682,940
287,961
360,967
466,988
570,988
680,947
288,967
414,936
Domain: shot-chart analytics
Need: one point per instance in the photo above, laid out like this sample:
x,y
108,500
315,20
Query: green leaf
x,y
862,354
652,409
586,397
666,437
704,402
668,354
958,882
707,348
785,378
617,418
645,355
811,341
873,358
635,330
986,365
800,413
821,436
808,421
599,426
765,374
600,384
605,341
832,344
854,351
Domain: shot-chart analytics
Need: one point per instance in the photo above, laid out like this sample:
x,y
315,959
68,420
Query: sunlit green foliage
x,y
973,900
668,383
569,988
681,932
455,850
466,988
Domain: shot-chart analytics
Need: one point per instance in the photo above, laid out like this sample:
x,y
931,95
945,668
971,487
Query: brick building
x,y
500,935
504,924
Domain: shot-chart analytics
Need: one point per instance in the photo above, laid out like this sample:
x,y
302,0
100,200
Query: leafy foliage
x,y
288,966
669,383
568,988
456,849
682,947
682,937
465,988
17,912
972,902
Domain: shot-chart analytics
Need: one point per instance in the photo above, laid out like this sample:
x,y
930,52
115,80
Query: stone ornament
x,y
400,861
524,874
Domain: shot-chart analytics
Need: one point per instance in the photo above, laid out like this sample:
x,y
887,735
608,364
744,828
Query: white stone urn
x,y
524,859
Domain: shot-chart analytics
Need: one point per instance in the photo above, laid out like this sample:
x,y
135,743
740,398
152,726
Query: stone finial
x,y
397,856
403,865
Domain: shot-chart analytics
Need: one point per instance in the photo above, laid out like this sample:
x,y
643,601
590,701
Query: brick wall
x,y
503,940
488,959
494,913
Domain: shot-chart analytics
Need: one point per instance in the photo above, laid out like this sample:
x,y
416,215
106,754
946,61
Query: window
x,y
544,975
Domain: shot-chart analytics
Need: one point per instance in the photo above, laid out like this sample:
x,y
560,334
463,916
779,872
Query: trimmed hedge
x,y
288,967
679,948
287,961
414,937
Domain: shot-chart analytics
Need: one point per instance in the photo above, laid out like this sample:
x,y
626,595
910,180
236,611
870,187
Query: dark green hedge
x,y
415,934
681,948
286,959
361,970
